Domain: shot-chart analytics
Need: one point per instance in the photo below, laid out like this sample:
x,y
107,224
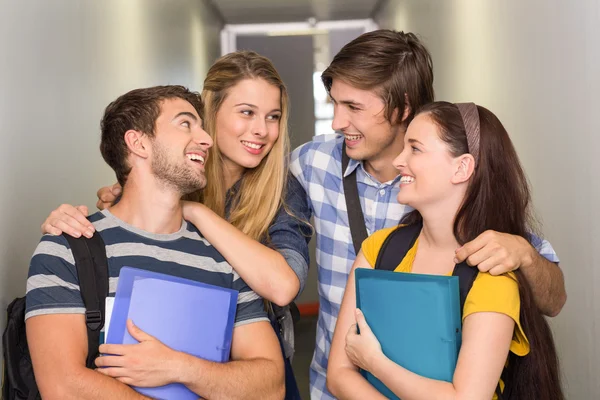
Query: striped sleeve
x,y
250,306
52,284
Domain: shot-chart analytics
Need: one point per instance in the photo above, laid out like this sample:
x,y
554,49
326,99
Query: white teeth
x,y
252,145
407,179
195,157
352,138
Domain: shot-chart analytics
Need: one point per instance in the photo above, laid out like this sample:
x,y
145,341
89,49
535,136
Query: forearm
x,y
410,386
348,384
89,385
547,284
245,379
265,270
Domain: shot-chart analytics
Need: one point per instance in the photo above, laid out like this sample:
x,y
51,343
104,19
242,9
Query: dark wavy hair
x,y
498,198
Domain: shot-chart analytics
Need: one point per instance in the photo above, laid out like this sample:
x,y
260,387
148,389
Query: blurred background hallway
x,y
536,63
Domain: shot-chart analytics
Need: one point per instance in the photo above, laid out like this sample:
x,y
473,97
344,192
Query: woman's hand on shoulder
x,y
107,196
70,220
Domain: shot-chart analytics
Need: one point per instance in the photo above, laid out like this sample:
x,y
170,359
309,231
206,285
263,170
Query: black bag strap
x,y
396,245
92,271
356,218
466,277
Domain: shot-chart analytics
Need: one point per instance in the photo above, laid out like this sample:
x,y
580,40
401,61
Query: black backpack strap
x,y
396,245
466,276
92,271
356,218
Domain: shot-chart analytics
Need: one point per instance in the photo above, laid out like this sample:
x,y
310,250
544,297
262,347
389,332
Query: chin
x,y
404,200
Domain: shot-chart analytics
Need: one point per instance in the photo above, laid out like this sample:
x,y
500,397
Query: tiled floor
x,y
305,344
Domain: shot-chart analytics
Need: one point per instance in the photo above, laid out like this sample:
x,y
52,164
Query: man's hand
x,y
107,196
497,253
147,364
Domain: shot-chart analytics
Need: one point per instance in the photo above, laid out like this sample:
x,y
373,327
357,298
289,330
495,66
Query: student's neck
x,y
231,173
381,166
438,226
381,169
150,206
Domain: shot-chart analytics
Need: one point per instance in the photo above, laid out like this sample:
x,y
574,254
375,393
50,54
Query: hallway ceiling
x,y
256,11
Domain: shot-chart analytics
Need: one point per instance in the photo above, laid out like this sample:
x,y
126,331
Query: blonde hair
x,y
262,189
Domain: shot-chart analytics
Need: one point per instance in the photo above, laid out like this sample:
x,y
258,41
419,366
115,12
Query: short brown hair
x,y
138,110
394,64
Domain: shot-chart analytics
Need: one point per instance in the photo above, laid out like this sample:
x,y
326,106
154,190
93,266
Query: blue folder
x,y
415,317
188,316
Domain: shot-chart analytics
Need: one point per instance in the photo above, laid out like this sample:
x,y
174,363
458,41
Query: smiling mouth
x,y
405,180
197,158
253,146
352,138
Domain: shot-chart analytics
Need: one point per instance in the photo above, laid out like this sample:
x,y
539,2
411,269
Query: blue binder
x,y
188,316
415,317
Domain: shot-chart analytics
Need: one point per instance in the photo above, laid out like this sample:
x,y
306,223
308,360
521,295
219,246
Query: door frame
x,y
230,32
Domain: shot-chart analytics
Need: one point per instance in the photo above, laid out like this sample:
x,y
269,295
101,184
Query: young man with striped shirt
x,y
153,139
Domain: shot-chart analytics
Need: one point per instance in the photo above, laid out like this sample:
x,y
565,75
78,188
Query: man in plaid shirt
x,y
376,83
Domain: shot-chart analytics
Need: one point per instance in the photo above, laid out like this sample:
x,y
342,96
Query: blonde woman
x,y
251,210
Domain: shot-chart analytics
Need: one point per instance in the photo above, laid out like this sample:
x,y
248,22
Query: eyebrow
x,y
187,114
411,141
347,102
255,107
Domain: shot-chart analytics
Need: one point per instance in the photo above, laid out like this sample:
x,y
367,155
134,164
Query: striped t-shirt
x,y
53,287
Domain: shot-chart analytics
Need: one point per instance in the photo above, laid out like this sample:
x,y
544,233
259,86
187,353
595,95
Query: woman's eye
x,y
275,117
186,124
248,112
414,149
351,107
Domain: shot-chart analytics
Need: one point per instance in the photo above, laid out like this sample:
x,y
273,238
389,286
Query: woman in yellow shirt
x,y
461,174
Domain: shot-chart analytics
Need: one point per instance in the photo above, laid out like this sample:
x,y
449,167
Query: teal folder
x,y
415,317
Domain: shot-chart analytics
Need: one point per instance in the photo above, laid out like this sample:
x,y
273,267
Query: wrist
x,y
178,369
375,362
528,256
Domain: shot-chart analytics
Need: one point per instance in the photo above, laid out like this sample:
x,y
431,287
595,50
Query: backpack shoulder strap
x,y
92,271
356,218
466,276
396,245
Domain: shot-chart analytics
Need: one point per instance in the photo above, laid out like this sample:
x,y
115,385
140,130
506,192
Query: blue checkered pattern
x,y
318,167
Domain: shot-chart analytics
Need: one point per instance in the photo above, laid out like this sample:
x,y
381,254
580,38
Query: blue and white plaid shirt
x,y
318,167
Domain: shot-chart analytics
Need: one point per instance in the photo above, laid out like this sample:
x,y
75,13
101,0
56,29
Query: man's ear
x,y
464,168
137,143
407,108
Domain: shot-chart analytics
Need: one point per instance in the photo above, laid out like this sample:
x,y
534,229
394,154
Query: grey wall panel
x,y
535,64
61,63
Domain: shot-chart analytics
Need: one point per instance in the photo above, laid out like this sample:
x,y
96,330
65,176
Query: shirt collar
x,y
352,165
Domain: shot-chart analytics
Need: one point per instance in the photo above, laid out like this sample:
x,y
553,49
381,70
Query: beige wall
x,y
536,64
61,63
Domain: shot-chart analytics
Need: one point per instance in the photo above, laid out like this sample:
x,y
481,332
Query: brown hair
x,y
138,110
498,198
394,64
262,189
